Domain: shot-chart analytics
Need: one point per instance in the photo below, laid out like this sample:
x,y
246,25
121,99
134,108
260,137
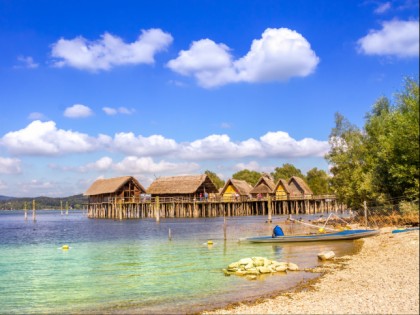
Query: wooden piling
x,y
157,209
33,211
269,209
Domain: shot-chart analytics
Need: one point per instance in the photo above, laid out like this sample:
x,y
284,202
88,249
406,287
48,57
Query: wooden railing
x,y
148,199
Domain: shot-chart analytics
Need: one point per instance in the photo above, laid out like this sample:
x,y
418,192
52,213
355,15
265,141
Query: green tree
x,y
347,159
318,181
380,162
286,171
392,139
219,183
251,177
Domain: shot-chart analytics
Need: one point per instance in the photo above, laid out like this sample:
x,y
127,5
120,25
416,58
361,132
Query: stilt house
x,y
282,190
120,189
298,188
183,187
236,190
264,187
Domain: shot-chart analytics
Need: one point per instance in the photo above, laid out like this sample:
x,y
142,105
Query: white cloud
x,y
273,144
103,164
396,38
129,144
136,165
36,116
280,144
43,138
9,166
78,111
120,110
110,111
279,55
27,62
109,51
383,7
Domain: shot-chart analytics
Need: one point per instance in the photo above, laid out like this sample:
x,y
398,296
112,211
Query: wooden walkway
x,y
135,208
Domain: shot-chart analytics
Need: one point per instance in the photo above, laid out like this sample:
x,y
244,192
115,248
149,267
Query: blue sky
x,y
92,89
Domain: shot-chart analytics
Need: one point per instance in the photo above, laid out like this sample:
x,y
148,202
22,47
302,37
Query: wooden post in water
x,y
120,209
170,235
33,211
61,206
269,208
26,212
157,210
67,208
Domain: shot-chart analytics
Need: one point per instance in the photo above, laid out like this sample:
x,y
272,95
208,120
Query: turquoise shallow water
x,y
132,266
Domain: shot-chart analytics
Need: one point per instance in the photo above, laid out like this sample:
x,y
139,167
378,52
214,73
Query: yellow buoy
x,y
209,242
65,247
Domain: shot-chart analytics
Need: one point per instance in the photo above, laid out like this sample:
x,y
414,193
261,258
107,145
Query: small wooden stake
x,y
33,211
170,235
157,206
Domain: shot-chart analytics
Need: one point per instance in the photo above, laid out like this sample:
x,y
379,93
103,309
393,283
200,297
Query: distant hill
x,y
12,203
5,198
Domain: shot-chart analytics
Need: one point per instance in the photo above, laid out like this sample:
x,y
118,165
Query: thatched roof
x,y
300,183
261,189
179,185
265,185
242,187
111,185
284,184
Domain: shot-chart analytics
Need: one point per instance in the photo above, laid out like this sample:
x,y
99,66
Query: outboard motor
x,y
277,231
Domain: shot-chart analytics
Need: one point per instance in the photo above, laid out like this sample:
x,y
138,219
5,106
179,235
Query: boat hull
x,y
343,235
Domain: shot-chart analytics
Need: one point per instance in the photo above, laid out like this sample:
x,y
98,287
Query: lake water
x,y
132,267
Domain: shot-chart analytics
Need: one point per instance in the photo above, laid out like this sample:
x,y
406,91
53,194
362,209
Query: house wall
x,y
281,193
229,193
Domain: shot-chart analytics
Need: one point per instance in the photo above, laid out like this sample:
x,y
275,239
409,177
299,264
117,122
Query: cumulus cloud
x,y
128,143
27,62
396,38
278,55
137,165
78,111
36,116
9,166
272,144
383,7
103,164
109,51
44,138
120,110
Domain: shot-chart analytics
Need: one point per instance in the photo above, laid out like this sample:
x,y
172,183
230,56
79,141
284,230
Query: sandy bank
x,y
382,279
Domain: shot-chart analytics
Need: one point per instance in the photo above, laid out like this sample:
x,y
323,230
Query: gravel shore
x,y
383,278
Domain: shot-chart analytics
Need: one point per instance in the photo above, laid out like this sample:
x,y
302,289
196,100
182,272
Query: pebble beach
x,y
382,278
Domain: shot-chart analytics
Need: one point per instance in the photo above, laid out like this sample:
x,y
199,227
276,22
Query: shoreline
x,y
381,278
